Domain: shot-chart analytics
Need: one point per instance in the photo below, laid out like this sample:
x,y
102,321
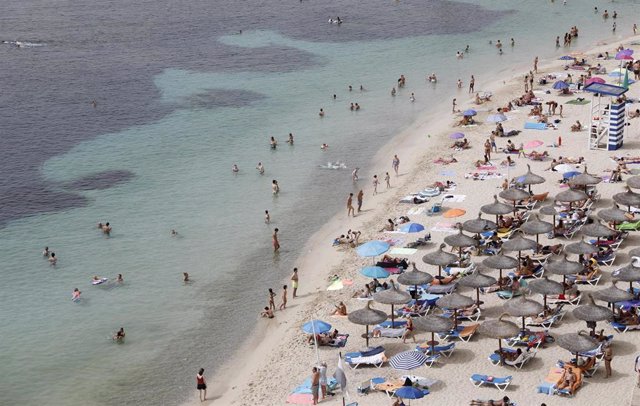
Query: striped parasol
x,y
408,360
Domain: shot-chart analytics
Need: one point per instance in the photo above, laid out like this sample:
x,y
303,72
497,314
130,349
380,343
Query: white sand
x,y
276,358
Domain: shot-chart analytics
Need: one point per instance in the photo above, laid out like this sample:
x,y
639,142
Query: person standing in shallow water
x,y
350,211
201,385
276,243
395,164
375,185
294,282
360,198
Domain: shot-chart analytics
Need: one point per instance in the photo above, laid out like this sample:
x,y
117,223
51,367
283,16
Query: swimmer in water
x,y
290,139
75,296
412,97
235,168
273,143
267,217
52,259
46,252
354,174
106,228
260,168
275,188
119,278
393,91
174,233
321,114
94,104
119,336
185,277
324,146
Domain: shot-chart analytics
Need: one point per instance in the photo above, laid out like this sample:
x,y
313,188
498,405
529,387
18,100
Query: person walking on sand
x,y
387,179
395,164
487,148
350,210
272,302
408,331
472,84
323,378
276,243
453,106
201,385
521,151
494,146
315,384
375,185
360,197
608,357
294,282
283,305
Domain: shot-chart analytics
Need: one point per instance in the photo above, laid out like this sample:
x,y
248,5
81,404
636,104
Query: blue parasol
x,y
559,85
469,113
373,248
409,392
569,175
411,228
456,136
316,327
567,58
374,272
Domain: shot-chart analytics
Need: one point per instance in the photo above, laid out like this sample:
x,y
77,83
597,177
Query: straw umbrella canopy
x,y
522,307
629,273
550,210
496,208
634,182
612,295
499,329
460,241
563,267
634,252
581,248
477,280
613,214
545,287
592,312
454,301
577,342
597,229
530,178
571,196
627,198
500,262
439,258
367,317
414,277
392,297
514,195
479,225
584,179
536,227
433,324
519,243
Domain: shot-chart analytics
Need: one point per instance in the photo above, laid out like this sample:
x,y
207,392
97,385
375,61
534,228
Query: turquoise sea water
x,y
181,165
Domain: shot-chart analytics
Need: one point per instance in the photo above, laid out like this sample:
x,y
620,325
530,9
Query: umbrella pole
x,y
564,285
545,300
315,341
500,351
455,319
478,297
500,274
439,271
433,344
392,317
460,257
367,335
523,327
537,243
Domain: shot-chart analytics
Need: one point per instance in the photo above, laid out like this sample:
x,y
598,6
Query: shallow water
x,y
180,98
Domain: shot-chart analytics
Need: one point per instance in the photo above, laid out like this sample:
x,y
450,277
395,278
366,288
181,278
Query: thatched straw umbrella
x,y
629,273
519,243
439,258
563,267
433,324
627,198
613,215
479,225
500,262
414,277
392,297
634,252
545,287
571,196
460,241
584,179
496,208
634,182
499,329
581,248
514,195
530,178
454,301
550,210
591,312
367,317
597,229
536,227
522,307
477,280
577,343
612,295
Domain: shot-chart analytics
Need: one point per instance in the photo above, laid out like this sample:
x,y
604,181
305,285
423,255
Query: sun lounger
x,y
584,279
623,328
499,382
420,381
338,342
588,370
475,316
441,289
532,340
629,226
389,332
546,323
571,391
392,385
570,299
517,363
354,360
459,271
445,350
463,333
551,381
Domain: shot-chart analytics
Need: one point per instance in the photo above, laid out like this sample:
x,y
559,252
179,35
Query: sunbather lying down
x,y
445,161
505,401
445,280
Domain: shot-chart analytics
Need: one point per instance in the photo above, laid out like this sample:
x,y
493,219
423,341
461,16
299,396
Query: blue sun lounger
x,y
500,383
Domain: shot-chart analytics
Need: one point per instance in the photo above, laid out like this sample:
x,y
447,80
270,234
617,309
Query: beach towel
x,y
578,102
416,211
487,167
535,126
339,342
445,228
453,198
447,173
335,285
403,251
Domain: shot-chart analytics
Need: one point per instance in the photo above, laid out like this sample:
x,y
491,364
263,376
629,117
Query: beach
x,y
277,358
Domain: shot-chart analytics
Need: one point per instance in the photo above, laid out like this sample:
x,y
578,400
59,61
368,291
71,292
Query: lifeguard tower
x,y
607,126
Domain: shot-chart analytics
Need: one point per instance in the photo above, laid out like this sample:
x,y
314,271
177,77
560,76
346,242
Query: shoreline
x,y
318,259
